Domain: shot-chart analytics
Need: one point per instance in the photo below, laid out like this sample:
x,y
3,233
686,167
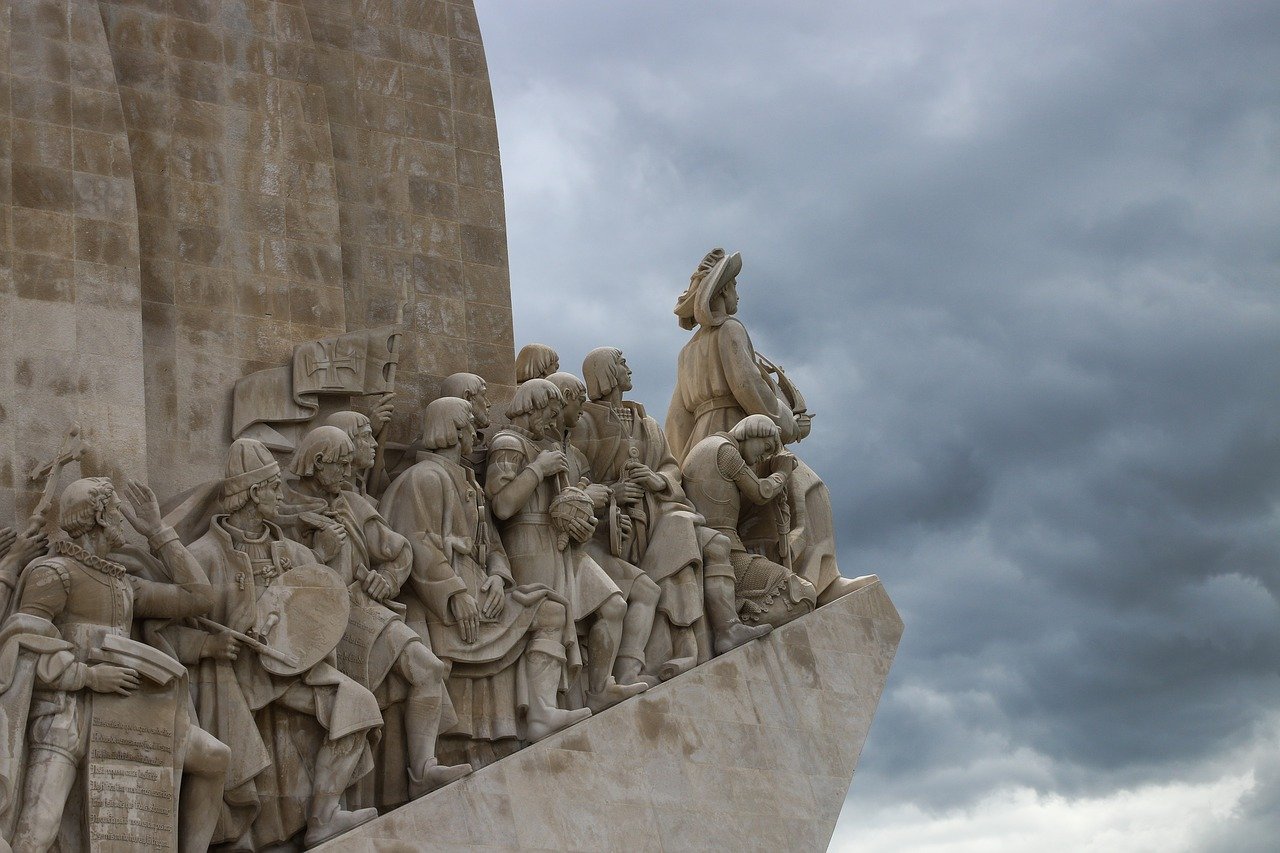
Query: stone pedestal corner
x,y
754,750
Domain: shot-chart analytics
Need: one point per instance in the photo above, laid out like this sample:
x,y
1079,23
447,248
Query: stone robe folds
x,y
438,506
246,707
377,635
718,383
664,535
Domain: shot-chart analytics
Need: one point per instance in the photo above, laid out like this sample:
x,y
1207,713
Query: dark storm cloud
x,y
1022,258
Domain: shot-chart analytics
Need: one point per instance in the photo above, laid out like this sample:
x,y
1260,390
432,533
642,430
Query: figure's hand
x,y
329,540
804,425
549,463
599,494
493,597
466,614
625,525
783,463
458,545
220,646
628,492
380,416
642,475
108,678
377,585
263,630
7,537
27,548
141,509
581,529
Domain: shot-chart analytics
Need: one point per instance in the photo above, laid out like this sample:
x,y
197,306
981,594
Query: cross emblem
x,y
330,361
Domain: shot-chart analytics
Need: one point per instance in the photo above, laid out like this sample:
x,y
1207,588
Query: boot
x,y
340,821
612,694
421,724
433,776
727,629
334,765
628,670
543,717
843,586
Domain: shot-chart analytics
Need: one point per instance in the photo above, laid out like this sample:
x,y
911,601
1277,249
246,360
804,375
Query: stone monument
x,y
253,255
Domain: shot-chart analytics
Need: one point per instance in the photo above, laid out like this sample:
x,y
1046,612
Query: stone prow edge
x,y
784,716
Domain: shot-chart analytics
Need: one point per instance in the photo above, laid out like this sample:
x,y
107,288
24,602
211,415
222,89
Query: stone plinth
x,y
752,751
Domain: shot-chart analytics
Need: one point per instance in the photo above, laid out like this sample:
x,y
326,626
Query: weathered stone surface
x,y
187,190
751,751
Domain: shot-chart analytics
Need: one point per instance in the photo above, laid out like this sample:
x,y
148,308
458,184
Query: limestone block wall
x,y
190,188
71,335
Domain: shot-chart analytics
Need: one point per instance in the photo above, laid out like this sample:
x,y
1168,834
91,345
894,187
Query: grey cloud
x,y
1023,259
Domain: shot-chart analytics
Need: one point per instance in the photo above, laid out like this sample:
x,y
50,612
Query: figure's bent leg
x,y
49,779
204,769
642,606
335,765
544,661
720,595
425,673
602,646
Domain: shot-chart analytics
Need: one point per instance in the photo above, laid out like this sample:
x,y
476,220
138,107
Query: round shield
x,y
310,607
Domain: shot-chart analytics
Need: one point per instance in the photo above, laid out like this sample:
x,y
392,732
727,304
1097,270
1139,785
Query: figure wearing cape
x,y
63,607
438,505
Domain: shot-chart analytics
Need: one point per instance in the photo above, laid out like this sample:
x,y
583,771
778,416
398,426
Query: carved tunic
x,y
273,723
716,476
530,539
718,383
664,538
439,506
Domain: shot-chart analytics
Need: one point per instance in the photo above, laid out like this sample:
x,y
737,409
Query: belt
x,y
530,518
725,402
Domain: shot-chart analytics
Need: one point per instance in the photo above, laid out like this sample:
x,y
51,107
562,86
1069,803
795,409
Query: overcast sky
x,y
1024,261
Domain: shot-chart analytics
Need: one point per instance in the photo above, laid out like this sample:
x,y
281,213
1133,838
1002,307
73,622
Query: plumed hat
x,y
714,272
248,463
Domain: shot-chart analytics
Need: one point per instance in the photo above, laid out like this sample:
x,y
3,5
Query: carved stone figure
x,y
506,641
366,466
613,527
628,450
717,476
301,738
379,649
473,389
720,379
536,361
525,476
74,612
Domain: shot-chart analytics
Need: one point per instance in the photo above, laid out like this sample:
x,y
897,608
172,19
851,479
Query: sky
x,y
1023,259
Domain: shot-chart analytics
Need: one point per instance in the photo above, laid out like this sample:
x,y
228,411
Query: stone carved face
x,y
330,475
730,296
480,406
268,496
543,422
572,411
111,520
467,436
622,374
756,450
366,448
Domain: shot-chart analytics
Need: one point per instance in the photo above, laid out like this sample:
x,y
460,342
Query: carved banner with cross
x,y
353,364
